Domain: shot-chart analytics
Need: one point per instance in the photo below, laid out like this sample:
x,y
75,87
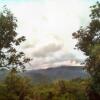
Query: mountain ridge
x,y
56,73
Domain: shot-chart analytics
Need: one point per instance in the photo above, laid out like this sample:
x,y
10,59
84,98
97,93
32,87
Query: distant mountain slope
x,y
56,73
51,74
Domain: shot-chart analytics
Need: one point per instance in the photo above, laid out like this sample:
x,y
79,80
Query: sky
x,y
48,26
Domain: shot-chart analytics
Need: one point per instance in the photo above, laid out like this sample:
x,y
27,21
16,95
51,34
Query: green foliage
x,y
89,42
61,90
9,56
15,87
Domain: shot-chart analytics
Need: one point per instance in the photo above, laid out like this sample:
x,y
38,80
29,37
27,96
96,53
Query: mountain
x,y
51,74
56,73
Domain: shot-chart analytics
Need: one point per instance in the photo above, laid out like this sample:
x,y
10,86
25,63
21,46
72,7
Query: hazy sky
x,y
48,26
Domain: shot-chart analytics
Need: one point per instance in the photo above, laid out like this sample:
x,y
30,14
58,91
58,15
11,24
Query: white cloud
x,y
48,26
47,50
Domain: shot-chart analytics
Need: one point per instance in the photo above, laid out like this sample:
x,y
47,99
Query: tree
x,y
17,87
89,42
10,57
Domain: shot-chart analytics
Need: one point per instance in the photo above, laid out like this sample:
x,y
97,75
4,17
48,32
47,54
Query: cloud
x,y
65,57
54,61
47,50
48,26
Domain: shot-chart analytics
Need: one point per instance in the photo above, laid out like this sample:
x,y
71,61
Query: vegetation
x,y
89,42
16,87
9,56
